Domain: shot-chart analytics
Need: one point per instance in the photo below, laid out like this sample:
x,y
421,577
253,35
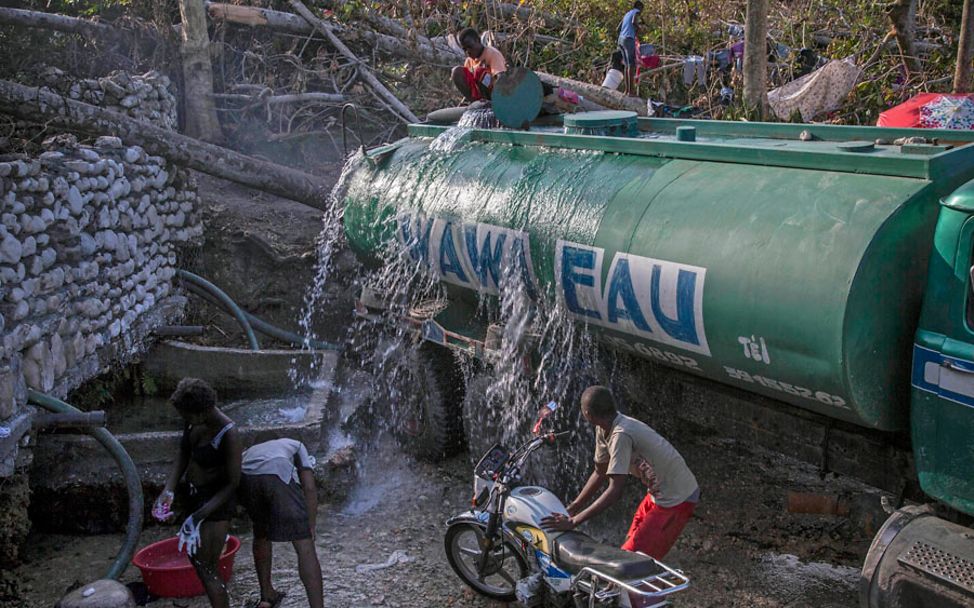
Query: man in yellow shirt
x,y
475,78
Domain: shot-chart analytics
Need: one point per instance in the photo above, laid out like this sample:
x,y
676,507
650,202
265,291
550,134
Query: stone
x,y
28,247
57,356
108,141
11,250
75,201
13,391
102,593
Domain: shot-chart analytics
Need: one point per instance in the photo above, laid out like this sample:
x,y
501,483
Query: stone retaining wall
x,y
89,236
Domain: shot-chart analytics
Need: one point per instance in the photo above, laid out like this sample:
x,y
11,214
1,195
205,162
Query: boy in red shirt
x,y
475,78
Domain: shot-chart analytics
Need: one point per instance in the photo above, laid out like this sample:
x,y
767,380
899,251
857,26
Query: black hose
x,y
225,300
132,482
268,329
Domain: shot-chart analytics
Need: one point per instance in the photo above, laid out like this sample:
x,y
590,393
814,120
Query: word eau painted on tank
x,y
784,387
472,255
652,299
755,348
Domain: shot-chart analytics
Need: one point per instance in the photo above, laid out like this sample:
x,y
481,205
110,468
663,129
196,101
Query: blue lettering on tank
x,y
418,244
485,259
573,259
683,327
620,287
449,261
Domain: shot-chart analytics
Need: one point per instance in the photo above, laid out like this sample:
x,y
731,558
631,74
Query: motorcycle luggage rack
x,y
652,587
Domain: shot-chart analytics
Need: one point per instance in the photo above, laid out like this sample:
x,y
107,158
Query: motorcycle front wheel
x,y
505,565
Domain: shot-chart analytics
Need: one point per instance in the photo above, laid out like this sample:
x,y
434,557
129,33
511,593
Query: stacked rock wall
x,y
89,236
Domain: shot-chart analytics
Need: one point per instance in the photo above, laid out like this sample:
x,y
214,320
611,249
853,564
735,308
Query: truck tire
x,y
426,419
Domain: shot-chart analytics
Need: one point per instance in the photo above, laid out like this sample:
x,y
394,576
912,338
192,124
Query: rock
x,y
28,247
99,594
11,250
75,202
108,141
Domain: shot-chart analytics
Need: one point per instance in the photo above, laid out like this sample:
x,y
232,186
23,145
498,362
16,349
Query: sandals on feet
x,y
274,603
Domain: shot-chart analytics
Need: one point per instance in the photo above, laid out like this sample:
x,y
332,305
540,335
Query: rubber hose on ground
x,y
225,300
131,475
274,331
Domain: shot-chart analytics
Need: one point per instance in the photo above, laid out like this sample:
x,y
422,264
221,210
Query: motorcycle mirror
x,y
546,411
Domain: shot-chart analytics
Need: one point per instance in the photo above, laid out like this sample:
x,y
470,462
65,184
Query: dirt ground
x,y
741,548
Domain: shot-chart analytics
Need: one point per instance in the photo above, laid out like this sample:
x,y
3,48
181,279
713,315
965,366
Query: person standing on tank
x,y
628,34
475,78
626,446
278,491
209,463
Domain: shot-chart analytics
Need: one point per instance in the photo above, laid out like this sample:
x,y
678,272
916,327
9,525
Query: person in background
x,y
475,78
209,462
626,446
278,491
615,74
628,33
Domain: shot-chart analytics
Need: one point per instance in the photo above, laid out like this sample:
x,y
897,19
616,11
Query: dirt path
x,y
740,549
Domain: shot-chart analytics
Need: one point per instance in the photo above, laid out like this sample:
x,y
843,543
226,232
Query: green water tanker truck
x,y
826,267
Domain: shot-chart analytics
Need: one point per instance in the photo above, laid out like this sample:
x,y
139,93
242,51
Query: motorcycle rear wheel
x,y
462,544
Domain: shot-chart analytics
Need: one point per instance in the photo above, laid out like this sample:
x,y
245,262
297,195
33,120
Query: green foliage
x,y
102,391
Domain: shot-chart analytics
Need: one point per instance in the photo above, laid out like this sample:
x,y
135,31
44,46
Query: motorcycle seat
x,y
575,551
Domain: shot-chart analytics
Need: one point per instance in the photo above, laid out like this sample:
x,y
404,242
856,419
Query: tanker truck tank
x,y
811,264
783,267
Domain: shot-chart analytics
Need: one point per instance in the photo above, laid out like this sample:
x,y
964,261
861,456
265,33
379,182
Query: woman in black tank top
x,y
209,463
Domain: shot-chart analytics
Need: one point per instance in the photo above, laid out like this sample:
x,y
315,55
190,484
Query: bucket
x,y
168,573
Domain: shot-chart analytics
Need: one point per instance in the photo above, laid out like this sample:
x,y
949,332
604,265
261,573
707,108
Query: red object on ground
x,y
654,528
168,573
907,114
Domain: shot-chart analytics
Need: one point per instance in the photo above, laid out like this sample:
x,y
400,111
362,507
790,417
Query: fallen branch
x,y
282,99
60,23
597,94
289,23
363,70
36,105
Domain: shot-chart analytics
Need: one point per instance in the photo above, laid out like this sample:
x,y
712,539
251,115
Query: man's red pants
x,y
654,528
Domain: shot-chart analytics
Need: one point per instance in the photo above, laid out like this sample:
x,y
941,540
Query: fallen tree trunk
x,y
289,23
597,94
34,105
363,70
272,100
60,23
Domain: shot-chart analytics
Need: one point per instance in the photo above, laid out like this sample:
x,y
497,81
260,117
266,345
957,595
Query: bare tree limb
x,y
201,121
313,97
364,71
965,49
903,15
756,57
36,105
60,23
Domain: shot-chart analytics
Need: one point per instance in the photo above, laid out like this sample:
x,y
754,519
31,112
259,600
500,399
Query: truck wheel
x,y
426,410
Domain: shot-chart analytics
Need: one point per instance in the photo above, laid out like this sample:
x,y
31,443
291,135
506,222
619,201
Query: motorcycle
x,y
499,549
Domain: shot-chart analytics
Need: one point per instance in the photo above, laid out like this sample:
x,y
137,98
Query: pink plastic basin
x,y
168,573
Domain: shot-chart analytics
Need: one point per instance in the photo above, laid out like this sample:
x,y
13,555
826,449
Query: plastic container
x,y
168,573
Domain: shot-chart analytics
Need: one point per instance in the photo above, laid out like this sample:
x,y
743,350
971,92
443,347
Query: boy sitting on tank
x,y
475,78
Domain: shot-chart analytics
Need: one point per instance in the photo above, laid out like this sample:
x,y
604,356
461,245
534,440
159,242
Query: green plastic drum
x,y
608,123
517,97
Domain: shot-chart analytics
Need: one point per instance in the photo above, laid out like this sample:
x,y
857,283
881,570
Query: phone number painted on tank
x,y
651,352
784,387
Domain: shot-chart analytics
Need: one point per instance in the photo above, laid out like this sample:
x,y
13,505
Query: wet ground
x,y
741,549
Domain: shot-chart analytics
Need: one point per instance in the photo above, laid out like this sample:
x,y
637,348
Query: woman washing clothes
x,y
209,462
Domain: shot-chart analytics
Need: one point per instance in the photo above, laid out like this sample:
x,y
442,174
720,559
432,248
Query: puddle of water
x,y
789,572
152,414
